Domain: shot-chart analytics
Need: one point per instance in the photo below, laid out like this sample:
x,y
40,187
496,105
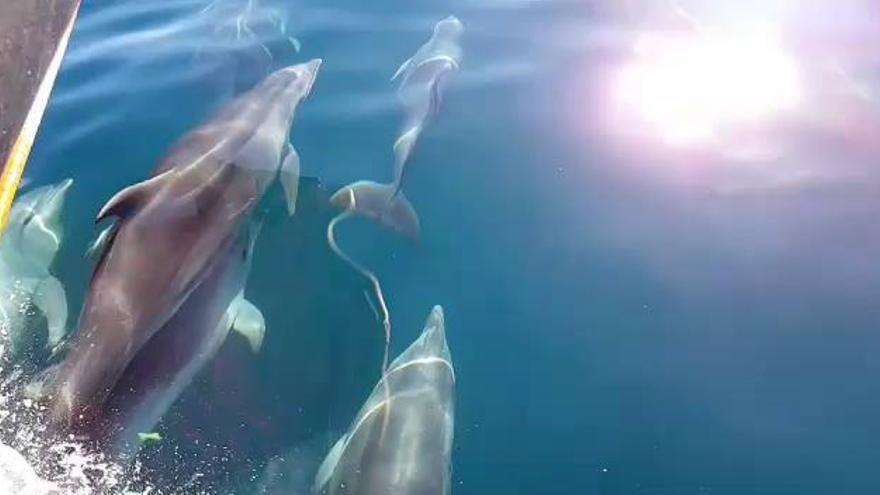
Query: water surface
x,y
625,317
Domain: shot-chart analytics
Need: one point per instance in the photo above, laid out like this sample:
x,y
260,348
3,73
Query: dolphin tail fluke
x,y
381,203
248,322
290,172
51,300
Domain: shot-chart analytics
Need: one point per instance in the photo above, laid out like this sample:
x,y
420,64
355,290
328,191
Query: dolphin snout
x,y
313,65
310,70
305,72
63,186
55,200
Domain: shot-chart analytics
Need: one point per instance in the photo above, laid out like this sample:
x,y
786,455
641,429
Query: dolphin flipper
x,y
248,321
102,240
438,64
290,178
325,471
295,42
51,300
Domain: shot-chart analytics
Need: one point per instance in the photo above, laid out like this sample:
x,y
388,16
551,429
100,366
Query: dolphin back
x,y
401,440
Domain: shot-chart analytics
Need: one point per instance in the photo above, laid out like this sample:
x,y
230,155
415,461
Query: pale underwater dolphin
x,y
422,78
172,231
401,445
27,251
169,362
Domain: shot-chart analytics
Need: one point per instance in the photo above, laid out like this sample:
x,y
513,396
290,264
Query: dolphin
x,y
169,362
27,251
172,232
401,440
422,80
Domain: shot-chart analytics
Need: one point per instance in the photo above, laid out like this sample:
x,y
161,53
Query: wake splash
x,y
33,463
17,476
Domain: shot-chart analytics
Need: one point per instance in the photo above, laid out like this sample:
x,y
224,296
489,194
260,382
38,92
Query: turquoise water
x,y
622,320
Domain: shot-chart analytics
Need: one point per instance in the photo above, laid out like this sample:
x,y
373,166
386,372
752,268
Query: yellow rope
x,y
13,170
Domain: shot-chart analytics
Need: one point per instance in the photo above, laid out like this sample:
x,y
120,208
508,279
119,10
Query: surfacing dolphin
x,y
400,443
27,251
171,233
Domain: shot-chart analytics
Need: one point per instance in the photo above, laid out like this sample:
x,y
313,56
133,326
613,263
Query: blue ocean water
x,y
618,326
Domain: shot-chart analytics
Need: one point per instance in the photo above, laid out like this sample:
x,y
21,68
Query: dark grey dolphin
x,y
169,361
400,443
171,232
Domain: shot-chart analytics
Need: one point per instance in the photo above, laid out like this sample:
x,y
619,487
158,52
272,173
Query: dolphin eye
x,y
27,219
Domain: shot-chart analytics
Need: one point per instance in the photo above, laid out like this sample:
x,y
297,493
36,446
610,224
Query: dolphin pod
x,y
174,255
172,263
27,251
401,440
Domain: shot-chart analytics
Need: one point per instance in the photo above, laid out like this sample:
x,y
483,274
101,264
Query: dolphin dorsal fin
x,y
130,198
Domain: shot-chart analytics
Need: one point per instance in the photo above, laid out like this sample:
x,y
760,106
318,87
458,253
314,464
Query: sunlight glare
x,y
689,88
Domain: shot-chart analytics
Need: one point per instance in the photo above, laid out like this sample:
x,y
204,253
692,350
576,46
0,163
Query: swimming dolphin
x,y
422,78
169,361
401,445
27,251
171,233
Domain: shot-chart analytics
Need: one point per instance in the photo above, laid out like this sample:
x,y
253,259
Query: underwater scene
x,y
470,247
